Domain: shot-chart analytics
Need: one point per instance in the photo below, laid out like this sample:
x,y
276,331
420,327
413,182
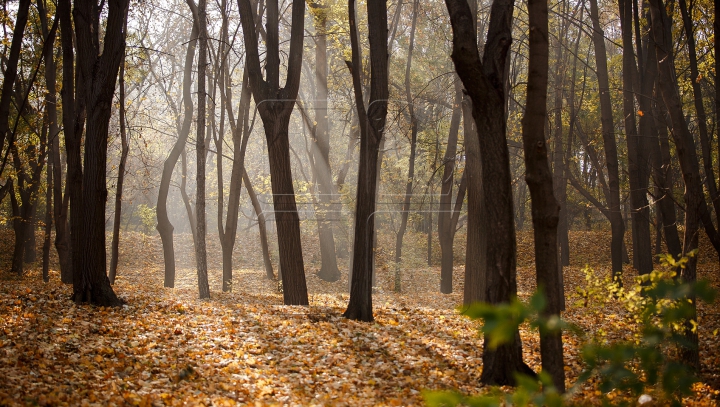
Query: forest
x,y
398,202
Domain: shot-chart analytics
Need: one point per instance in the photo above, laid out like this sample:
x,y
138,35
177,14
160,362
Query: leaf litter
x,y
166,347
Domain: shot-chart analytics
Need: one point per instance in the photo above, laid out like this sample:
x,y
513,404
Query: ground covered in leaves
x,y
166,347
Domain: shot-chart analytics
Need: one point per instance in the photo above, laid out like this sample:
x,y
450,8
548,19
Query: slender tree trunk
x,y
687,156
611,158
164,227
321,149
200,15
125,147
261,226
446,229
372,125
710,183
637,147
545,208
10,72
484,82
405,211
48,222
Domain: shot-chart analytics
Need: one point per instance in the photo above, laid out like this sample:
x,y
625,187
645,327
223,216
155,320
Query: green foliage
x,y
661,307
147,218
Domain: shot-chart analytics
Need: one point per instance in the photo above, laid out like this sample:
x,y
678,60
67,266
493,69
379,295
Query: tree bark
x,y
321,148
484,83
98,66
372,125
687,156
199,17
405,211
637,147
125,147
446,229
545,208
275,105
611,158
261,226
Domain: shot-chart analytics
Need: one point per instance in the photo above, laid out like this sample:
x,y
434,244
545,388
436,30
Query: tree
x,y
164,227
411,167
484,83
611,157
371,118
98,66
275,105
321,146
545,208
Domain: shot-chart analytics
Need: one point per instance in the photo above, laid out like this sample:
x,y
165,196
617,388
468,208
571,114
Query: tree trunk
x,y
164,227
695,77
405,211
484,82
545,208
637,148
98,76
687,156
372,125
10,72
261,226
48,222
321,149
275,106
446,229
115,245
199,17
611,158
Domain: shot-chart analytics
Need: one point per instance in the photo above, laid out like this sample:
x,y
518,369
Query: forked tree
x,y
484,83
275,105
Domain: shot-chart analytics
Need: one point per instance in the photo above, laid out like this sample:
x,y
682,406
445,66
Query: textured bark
x,y
446,229
611,157
637,148
200,19
164,227
484,83
687,156
98,67
125,148
709,174
405,211
275,105
372,126
545,208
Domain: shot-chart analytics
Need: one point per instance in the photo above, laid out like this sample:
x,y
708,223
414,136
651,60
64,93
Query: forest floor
x,y
166,347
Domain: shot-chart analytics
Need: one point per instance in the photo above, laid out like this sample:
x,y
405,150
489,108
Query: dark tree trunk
x,y
405,211
261,226
125,147
710,183
475,264
484,82
545,208
164,227
10,72
637,146
48,223
372,126
446,229
29,252
321,149
98,75
611,158
199,17
275,105
687,156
